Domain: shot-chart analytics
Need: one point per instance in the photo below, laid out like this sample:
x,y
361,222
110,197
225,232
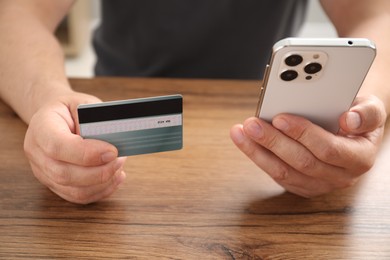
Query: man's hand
x,y
78,170
309,161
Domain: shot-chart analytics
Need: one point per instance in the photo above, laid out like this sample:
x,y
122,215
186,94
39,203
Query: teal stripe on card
x,y
145,141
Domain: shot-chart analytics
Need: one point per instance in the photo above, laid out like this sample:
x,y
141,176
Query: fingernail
x,y
280,124
237,135
254,130
120,177
353,120
118,164
108,157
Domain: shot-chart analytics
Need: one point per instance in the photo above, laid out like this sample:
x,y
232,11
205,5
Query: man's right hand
x,y
78,170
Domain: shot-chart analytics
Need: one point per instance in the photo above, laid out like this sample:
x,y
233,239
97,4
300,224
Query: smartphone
x,y
316,78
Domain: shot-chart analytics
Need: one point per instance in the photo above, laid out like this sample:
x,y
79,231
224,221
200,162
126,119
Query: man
x,y
300,156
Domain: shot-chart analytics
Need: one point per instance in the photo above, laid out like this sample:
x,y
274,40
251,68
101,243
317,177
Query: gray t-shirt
x,y
192,38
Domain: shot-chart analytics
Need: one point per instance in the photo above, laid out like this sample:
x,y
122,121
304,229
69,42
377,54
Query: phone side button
x,y
265,73
260,99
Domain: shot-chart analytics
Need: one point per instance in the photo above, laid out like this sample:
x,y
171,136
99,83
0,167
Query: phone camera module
x,y
293,60
289,75
312,68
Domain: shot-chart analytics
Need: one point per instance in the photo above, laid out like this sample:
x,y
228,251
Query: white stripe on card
x,y
117,126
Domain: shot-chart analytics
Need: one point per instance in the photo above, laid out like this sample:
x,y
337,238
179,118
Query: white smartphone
x,y
315,78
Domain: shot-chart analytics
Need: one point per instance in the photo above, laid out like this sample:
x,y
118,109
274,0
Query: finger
x,y
84,195
366,115
318,189
281,172
59,143
290,151
91,194
356,154
73,175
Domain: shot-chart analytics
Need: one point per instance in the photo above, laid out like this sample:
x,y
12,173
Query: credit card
x,y
135,126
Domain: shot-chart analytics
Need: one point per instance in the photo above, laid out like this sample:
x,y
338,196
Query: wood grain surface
x,y
206,201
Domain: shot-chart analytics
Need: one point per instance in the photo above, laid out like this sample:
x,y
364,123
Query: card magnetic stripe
x,y
145,141
142,107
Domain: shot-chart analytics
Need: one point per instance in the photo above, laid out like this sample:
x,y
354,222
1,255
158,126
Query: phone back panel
x,y
320,97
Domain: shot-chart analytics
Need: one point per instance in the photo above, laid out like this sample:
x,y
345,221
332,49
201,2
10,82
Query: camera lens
x,y
312,68
293,60
289,75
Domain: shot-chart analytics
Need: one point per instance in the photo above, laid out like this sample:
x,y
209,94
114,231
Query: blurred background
x,y
76,29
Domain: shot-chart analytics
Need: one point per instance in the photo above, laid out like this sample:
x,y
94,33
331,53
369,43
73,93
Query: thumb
x,y
367,114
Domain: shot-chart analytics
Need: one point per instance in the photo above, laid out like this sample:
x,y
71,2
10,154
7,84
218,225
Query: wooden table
x,y
206,201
